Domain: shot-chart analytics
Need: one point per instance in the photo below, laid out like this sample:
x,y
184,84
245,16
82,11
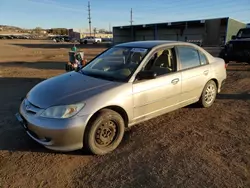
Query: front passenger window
x,y
162,62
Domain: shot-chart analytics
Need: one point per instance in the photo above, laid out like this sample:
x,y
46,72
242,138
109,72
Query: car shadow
x,y
238,67
63,45
241,96
194,105
50,65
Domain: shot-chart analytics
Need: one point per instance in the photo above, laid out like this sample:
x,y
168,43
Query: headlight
x,y
65,111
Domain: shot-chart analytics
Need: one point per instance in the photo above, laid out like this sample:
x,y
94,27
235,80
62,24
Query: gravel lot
x,y
190,147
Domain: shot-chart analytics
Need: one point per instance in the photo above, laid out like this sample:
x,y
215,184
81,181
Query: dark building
x,y
211,32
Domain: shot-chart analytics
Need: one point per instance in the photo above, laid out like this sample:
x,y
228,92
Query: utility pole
x,y
89,18
131,16
109,27
94,31
131,23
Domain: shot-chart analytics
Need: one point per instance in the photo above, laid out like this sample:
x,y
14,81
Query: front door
x,y
157,96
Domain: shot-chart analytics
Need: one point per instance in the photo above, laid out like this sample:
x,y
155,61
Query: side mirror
x,y
146,75
233,37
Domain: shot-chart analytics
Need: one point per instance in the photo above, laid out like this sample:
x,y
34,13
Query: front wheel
x,y
208,94
105,132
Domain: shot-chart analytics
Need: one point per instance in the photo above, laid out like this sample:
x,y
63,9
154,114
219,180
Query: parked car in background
x,y
127,84
61,39
238,49
89,39
107,39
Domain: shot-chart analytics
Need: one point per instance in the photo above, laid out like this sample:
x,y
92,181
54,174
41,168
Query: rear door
x,y
195,73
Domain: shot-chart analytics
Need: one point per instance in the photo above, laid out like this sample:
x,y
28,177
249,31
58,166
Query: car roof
x,y
147,44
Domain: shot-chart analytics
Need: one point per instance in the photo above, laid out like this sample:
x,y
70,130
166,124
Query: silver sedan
x,y
127,84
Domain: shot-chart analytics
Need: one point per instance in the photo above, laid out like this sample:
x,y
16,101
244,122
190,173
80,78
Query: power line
x,y
89,18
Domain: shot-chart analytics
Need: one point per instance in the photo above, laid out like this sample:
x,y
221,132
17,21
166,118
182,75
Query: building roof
x,y
147,44
175,23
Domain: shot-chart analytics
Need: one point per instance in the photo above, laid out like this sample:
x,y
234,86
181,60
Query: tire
x,y
107,124
85,42
208,95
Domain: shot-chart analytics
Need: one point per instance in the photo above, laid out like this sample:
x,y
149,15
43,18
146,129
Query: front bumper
x,y
54,134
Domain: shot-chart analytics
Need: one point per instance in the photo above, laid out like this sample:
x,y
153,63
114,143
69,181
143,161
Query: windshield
x,y
244,33
116,64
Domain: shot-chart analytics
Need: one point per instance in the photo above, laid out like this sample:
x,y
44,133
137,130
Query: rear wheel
x,y
208,94
105,132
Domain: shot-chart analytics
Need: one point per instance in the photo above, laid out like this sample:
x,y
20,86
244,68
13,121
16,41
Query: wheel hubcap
x,y
106,133
210,94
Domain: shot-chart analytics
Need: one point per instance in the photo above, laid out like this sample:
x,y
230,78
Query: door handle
x,y
175,81
206,72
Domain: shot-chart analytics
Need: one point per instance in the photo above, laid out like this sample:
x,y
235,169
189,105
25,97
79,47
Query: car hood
x,y
68,88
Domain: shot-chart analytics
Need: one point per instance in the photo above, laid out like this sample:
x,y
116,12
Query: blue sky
x,y
73,13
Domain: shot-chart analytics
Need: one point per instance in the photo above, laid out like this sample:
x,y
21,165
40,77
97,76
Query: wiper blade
x,y
81,71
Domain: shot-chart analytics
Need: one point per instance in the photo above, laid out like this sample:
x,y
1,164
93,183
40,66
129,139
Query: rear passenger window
x,y
203,58
189,57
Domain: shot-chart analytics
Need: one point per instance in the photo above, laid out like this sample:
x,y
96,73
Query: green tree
x,y
38,30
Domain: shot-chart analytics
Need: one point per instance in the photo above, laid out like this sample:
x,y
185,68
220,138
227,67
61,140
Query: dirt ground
x,y
190,147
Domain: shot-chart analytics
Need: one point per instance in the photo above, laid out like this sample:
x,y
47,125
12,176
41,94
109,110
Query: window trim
x,y
179,61
157,50
201,53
